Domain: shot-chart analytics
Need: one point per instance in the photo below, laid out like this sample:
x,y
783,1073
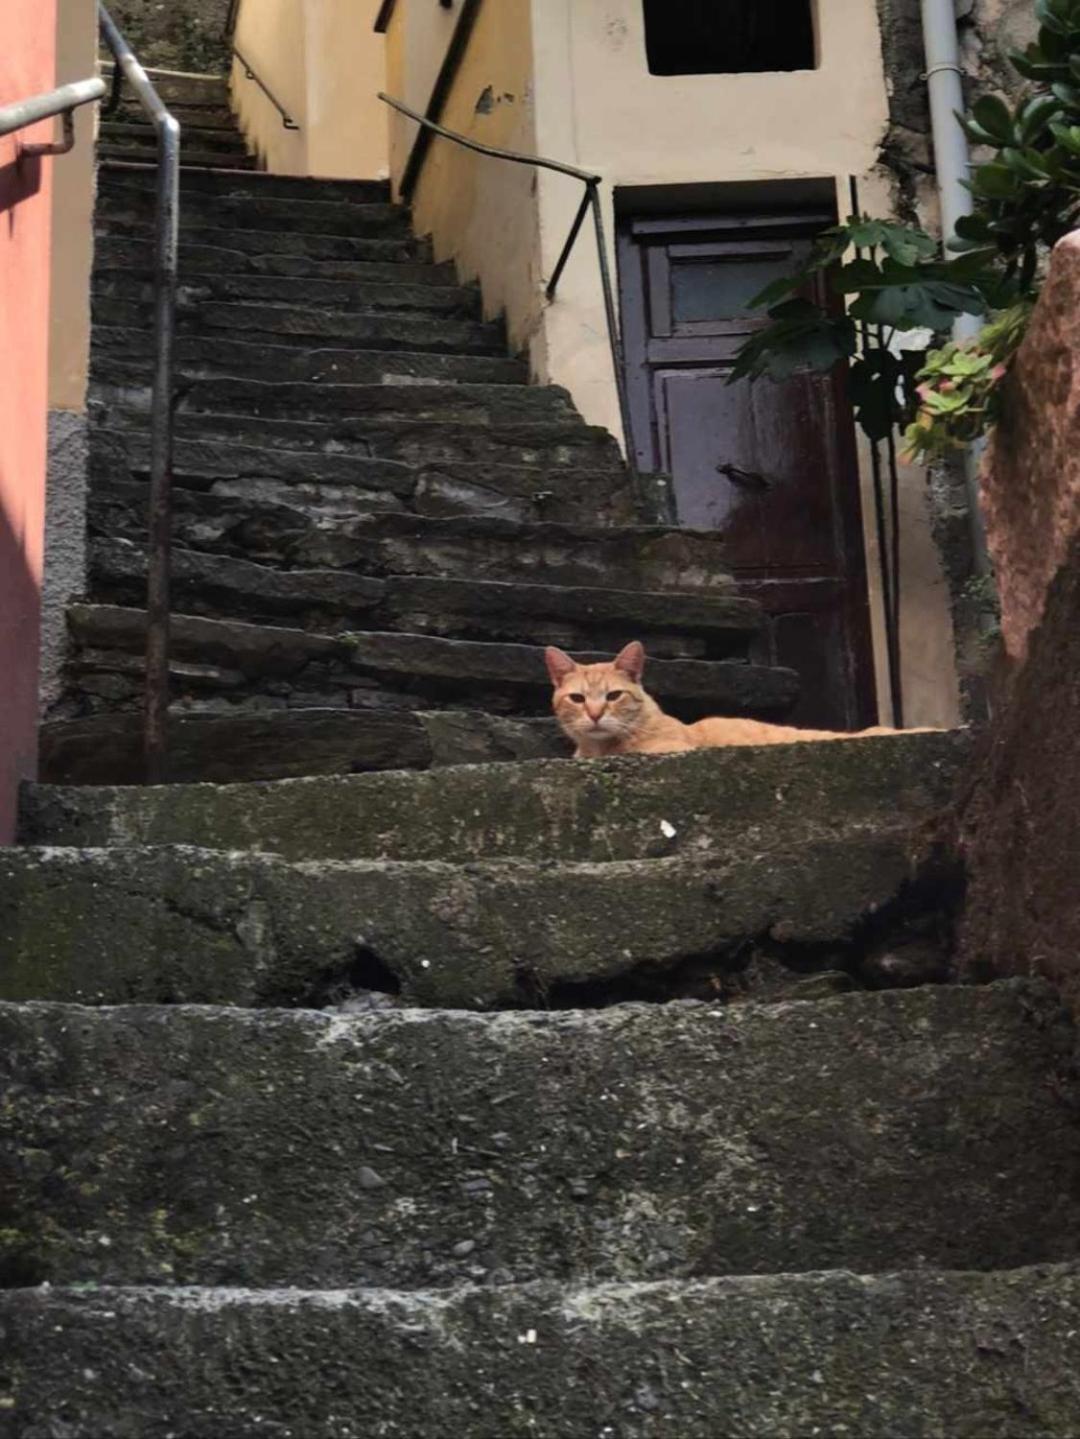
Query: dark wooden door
x,y
770,464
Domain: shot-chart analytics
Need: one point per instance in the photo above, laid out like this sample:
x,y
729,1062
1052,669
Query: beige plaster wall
x,y
482,212
72,215
417,38
325,64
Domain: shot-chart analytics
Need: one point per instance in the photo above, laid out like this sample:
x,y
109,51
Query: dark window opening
x,y
728,37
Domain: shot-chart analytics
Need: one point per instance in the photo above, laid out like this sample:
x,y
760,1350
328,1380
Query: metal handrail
x,y
287,121
54,102
166,227
232,15
590,200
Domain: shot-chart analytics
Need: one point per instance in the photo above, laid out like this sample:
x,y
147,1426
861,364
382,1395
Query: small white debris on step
x,y
667,829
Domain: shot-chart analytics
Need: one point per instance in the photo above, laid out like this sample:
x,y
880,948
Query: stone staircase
x,y
623,1099
379,522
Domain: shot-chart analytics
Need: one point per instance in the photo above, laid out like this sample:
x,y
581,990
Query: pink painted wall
x,y
27,67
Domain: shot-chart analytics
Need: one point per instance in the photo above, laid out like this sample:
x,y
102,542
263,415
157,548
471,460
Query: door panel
x,y
770,464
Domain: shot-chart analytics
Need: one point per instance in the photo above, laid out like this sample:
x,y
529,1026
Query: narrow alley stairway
x,y
388,1074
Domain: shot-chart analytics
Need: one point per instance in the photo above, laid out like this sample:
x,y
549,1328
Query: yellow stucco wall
x,y
416,41
325,65
72,215
482,212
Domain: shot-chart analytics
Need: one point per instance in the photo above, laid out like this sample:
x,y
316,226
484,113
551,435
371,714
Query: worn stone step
x,y
189,157
135,257
482,405
224,212
479,547
278,744
598,810
645,1142
180,87
223,587
365,330
125,357
251,928
203,117
805,914
462,301
901,1356
117,178
541,444
269,243
136,138
289,492
238,661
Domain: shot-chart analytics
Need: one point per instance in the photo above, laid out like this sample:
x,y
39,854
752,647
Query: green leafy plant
x,y
888,280
959,387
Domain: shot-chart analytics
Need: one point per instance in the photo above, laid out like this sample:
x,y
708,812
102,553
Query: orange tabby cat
x,y
604,710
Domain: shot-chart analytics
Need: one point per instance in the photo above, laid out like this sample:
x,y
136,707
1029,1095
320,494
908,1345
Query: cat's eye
x,y
578,699
615,695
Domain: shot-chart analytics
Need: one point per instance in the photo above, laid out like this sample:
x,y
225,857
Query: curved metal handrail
x,y
167,239
590,201
54,102
287,121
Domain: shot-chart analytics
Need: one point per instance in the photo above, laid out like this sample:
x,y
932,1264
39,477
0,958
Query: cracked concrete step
x,y
616,809
270,244
235,662
477,547
217,927
124,357
258,211
984,1356
357,328
424,1149
461,301
120,178
278,744
223,587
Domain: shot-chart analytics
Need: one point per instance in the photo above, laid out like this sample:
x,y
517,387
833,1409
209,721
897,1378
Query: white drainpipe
x,y
952,165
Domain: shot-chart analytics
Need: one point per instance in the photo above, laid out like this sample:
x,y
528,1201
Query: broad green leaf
x,y
994,181
904,243
775,291
1035,115
995,117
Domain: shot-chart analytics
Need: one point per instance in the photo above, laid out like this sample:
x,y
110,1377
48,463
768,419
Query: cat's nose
x,y
595,712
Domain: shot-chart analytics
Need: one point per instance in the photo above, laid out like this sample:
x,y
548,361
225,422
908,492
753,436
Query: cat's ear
x,y
631,660
559,665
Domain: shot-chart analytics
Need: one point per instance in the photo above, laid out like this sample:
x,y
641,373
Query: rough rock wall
x,y
1031,473
1019,828
906,153
989,29
179,35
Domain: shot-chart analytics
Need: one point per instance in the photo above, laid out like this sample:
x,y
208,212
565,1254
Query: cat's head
x,y
603,702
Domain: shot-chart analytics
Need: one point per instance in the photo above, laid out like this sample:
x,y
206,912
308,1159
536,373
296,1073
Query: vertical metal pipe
x,y
161,446
952,164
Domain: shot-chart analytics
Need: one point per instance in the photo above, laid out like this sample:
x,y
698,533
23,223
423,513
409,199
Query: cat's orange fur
x,y
604,710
